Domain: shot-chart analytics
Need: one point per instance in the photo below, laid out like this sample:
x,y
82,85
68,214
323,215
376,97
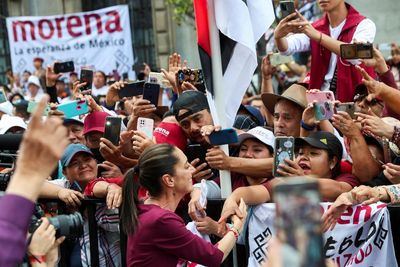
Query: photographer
x,y
42,145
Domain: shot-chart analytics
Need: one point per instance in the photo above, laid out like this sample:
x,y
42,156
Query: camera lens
x,y
68,225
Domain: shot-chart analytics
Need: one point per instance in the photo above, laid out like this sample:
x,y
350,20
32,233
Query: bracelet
x,y
307,127
37,258
234,231
396,135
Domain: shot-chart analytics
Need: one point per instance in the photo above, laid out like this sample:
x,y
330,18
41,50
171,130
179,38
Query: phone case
x,y
347,107
112,129
151,92
62,67
193,76
321,96
323,110
284,149
32,107
277,59
298,222
223,137
74,108
145,125
287,8
131,89
196,151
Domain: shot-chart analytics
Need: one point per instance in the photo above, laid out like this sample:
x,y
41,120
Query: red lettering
x,y
116,22
347,257
368,250
381,206
58,26
359,209
22,25
74,22
357,260
49,26
348,212
98,23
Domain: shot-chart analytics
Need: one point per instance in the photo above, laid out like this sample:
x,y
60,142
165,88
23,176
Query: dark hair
x,y
104,76
156,161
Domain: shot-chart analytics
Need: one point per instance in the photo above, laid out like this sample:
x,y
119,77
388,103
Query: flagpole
x,y
217,109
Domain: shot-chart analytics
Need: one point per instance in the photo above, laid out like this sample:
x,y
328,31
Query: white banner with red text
x,y
99,39
362,236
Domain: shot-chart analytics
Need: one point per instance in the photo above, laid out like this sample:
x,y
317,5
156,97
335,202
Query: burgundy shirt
x,y
161,239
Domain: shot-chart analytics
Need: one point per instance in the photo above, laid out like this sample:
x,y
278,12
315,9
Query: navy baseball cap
x,y
71,151
323,140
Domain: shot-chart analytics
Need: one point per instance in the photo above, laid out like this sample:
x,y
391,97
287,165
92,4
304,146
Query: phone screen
x,y
87,77
298,222
284,149
112,129
287,8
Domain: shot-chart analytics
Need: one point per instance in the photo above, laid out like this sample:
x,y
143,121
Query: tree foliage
x,y
182,9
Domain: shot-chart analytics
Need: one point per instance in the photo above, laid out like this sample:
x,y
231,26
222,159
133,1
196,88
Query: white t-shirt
x,y
300,42
99,91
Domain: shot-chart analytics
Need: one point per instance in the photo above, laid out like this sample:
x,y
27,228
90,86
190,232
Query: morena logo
x,y
75,25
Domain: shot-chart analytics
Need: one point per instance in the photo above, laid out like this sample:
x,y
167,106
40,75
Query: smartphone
x,y
196,151
323,110
347,107
298,222
86,76
3,97
287,8
100,170
356,51
146,126
193,76
151,92
74,108
320,96
32,107
112,129
131,89
323,104
61,67
125,76
277,59
284,149
223,137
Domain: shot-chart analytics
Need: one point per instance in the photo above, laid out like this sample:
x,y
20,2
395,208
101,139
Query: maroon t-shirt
x,y
161,239
347,178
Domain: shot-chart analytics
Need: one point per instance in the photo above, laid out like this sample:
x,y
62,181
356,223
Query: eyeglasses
x,y
361,97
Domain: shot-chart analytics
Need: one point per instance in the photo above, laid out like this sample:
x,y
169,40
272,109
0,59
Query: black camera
x,y
4,180
70,226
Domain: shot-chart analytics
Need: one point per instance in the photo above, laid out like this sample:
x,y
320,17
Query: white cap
x,y
265,136
6,107
7,122
34,80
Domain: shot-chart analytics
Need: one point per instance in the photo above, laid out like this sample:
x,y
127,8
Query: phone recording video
x,y
87,77
112,129
356,51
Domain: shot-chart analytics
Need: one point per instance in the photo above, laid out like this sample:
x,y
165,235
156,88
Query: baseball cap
x,y
192,101
6,107
255,113
244,122
8,122
73,120
95,121
71,151
322,140
265,136
171,133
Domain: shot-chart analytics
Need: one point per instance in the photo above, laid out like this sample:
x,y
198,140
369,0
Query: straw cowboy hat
x,y
295,94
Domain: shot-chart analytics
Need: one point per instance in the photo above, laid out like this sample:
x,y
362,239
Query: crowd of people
x,y
153,186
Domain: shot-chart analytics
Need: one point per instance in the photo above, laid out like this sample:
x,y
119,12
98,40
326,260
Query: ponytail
x,y
130,200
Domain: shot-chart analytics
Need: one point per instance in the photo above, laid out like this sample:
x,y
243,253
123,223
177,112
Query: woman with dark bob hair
x,y
156,235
